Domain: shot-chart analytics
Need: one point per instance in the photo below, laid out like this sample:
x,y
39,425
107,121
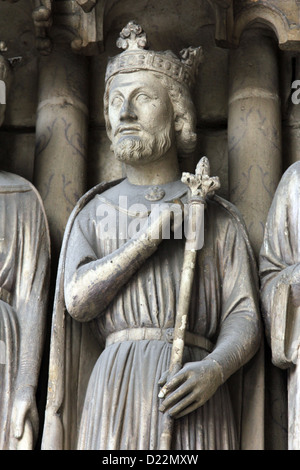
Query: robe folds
x,y
279,273
279,258
24,277
106,396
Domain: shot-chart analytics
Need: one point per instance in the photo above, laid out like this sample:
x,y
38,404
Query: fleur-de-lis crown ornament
x,y
132,37
137,56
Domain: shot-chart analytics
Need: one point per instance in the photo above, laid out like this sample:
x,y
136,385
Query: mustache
x,y
128,127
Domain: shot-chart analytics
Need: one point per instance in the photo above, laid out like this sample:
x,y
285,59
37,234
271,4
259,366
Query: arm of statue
x,y
25,419
30,304
23,422
198,381
90,289
239,330
280,291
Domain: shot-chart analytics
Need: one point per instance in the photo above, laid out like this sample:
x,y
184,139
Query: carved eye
x,y
116,101
143,97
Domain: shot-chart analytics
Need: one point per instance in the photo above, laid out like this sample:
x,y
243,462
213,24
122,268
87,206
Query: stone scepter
x,y
200,186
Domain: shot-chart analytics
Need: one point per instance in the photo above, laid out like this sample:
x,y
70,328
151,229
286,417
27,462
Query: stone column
x,y
60,156
291,129
61,136
254,163
254,129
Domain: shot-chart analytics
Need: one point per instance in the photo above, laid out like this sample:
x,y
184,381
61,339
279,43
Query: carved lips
x,y
127,130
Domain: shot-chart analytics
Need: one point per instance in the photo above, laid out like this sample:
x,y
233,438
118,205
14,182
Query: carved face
x,y
141,117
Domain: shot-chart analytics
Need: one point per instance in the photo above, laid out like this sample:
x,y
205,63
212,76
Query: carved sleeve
x,y
239,333
30,293
92,279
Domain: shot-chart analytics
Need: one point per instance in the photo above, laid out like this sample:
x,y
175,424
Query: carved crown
x,y
136,56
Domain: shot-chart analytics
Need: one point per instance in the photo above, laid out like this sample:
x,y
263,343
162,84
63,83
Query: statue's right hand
x,y
161,224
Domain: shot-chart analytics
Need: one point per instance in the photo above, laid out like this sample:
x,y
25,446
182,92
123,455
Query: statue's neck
x,y
162,171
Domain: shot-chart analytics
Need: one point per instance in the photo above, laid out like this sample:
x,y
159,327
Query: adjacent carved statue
x,y
24,276
119,278
280,292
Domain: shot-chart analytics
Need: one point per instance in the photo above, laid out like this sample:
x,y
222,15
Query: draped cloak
x,y
24,276
118,409
279,262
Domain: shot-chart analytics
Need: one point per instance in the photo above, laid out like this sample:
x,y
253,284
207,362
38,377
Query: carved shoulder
x,y
10,182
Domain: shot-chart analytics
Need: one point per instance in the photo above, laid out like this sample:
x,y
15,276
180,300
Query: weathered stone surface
x,y
213,144
152,279
102,165
254,130
24,281
17,31
61,137
92,32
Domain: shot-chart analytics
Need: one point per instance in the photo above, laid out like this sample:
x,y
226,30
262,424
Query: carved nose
x,y
127,113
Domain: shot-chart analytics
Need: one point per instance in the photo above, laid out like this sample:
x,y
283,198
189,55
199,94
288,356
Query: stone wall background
x,y
170,24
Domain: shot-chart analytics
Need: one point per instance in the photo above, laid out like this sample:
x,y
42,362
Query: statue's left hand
x,y
190,388
25,421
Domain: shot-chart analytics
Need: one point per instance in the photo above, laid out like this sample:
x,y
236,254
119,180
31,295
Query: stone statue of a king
x,y
24,278
120,274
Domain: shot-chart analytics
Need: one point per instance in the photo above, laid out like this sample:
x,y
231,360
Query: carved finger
x,y
171,385
19,420
163,379
176,396
180,409
188,410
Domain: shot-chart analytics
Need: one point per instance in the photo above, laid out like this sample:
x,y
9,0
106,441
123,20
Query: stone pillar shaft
x,y
61,136
254,129
254,160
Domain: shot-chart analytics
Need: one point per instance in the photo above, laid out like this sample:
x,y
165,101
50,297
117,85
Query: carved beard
x,y
136,149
